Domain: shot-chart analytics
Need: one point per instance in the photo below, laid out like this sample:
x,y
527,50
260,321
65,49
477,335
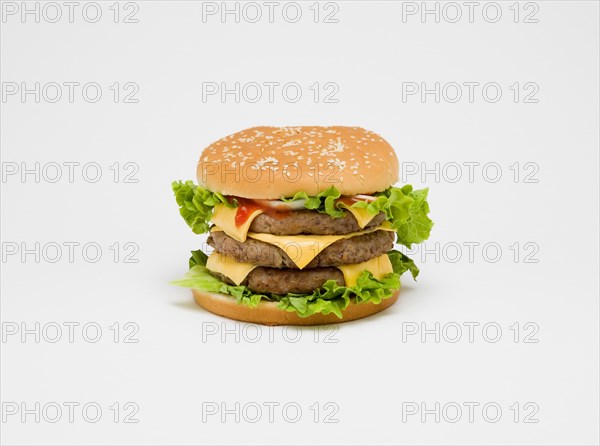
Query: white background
x,y
371,372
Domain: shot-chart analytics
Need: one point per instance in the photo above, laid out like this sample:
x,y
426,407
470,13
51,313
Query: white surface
x,y
370,372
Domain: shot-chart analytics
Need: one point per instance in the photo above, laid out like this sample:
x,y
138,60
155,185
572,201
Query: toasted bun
x,y
267,313
270,162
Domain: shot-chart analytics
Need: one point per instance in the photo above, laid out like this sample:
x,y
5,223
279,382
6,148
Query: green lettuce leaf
x,y
393,202
402,263
200,278
196,204
198,258
323,202
406,209
331,298
418,226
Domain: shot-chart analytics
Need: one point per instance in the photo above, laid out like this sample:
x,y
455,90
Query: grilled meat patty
x,y
283,281
310,222
355,249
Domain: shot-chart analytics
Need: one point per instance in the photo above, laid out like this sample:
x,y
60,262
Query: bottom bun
x,y
267,313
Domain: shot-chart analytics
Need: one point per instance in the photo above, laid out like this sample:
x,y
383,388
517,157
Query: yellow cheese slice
x,y
363,217
379,267
303,248
224,218
236,271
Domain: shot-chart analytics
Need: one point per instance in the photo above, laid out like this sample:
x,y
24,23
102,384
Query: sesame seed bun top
x,y
271,162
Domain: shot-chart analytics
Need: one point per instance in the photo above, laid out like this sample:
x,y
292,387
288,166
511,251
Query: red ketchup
x,y
246,206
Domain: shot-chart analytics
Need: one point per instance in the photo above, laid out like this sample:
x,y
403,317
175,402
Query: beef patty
x,y
310,222
355,249
283,281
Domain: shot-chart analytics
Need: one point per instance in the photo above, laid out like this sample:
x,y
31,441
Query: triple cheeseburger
x,y
302,222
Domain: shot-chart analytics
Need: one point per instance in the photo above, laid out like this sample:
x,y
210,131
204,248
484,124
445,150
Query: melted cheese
x,y
236,271
379,267
224,218
303,248
363,217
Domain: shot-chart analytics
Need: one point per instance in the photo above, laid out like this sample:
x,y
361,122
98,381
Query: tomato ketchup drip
x,y
246,206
